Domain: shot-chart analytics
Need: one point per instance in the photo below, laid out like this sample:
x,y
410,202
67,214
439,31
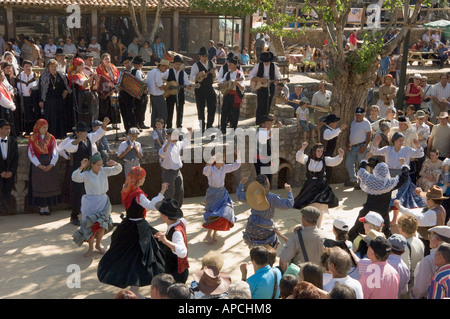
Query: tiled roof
x,y
94,3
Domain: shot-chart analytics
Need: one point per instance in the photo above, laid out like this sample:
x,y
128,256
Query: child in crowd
x,y
302,115
159,134
130,150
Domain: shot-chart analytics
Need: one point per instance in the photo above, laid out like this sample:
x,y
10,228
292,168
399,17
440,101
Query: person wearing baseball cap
x,y
399,244
372,222
379,249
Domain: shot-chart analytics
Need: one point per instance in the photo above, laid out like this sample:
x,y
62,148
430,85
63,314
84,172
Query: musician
x,y
181,77
232,101
26,82
224,68
53,91
126,101
265,70
81,84
205,94
156,87
89,71
110,71
140,105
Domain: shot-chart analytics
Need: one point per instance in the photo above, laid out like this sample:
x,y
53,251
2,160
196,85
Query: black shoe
x,y
143,126
357,186
349,184
75,222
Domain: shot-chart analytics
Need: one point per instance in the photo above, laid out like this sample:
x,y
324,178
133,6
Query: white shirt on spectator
x,y
358,131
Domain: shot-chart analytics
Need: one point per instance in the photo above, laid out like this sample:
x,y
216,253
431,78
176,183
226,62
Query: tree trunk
x,y
159,10
134,20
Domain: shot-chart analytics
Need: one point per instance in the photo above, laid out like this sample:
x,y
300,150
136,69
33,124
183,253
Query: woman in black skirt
x,y
134,256
316,191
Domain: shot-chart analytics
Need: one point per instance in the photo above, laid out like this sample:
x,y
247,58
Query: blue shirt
x,y
158,49
293,96
263,281
245,58
384,63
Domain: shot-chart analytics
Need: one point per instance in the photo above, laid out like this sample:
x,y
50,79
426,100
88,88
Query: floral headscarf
x,y
130,189
380,182
38,145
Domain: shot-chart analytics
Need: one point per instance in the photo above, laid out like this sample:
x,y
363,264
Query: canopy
x,y
439,24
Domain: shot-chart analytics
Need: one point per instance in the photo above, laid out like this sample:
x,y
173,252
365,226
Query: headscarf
x,y
130,189
72,72
380,182
92,160
39,146
388,75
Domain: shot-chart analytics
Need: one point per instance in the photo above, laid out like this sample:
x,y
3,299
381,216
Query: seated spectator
x,y
287,285
418,46
430,172
442,51
341,291
209,283
178,291
160,284
239,290
306,290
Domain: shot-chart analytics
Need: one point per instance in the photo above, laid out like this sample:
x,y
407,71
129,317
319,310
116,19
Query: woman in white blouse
x,y
219,211
95,205
392,154
316,191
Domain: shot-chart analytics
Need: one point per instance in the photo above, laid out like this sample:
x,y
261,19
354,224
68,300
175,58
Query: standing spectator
x,y
353,41
264,283
158,49
212,51
27,49
259,45
439,137
50,50
306,244
387,94
2,45
399,243
113,49
146,53
414,92
440,90
94,49
70,48
81,47
244,57
440,283
220,53
9,160
387,279
133,47
321,98
60,58
359,138
427,91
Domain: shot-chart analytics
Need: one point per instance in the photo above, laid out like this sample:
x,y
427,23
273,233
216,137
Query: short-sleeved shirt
x,y
262,283
302,114
358,131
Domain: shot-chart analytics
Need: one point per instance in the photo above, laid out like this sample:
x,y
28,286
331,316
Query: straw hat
x,y
256,196
435,192
164,62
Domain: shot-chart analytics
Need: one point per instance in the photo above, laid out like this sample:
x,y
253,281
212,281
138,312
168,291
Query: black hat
x,y
4,122
170,208
87,56
330,118
127,58
402,119
81,127
233,60
138,60
202,51
266,56
381,246
59,51
265,118
360,110
230,55
177,58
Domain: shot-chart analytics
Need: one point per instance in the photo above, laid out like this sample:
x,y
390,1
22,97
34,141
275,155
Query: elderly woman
x,y
387,93
82,96
53,91
44,188
95,204
108,70
134,256
316,191
430,172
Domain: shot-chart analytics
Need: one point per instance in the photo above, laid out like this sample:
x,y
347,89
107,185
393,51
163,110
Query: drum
x,y
132,85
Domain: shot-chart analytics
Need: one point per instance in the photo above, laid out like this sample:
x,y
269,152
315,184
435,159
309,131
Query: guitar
x,y
228,86
257,83
173,88
319,108
200,77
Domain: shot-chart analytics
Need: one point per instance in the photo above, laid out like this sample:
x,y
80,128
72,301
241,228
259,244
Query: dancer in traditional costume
x,y
44,187
316,191
134,256
95,205
219,208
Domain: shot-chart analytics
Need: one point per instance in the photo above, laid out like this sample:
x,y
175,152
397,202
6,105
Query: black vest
x,y
260,73
170,259
319,174
172,77
329,145
84,151
209,79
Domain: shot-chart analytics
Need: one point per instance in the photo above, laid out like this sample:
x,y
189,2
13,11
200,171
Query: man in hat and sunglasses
x,y
81,145
204,73
178,100
157,88
174,240
265,71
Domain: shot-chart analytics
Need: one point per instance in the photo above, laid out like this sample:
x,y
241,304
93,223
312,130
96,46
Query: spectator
x,y
427,268
387,94
81,47
125,294
312,273
27,49
414,92
374,114
442,52
264,283
244,58
352,40
94,49
160,284
2,45
399,243
306,243
49,50
296,97
430,171
210,283
439,91
390,116
415,248
439,137
439,287
287,285
378,252
146,53
114,50
158,49
178,291
426,37
133,47
306,290
70,48
341,291
220,54
339,264
239,290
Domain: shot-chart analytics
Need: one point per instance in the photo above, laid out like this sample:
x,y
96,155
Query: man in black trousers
x,y
9,159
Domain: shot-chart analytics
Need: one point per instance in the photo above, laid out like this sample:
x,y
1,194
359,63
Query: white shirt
x,y
35,160
96,184
424,129
7,103
70,49
155,79
358,131
316,166
22,87
321,99
4,147
88,71
123,146
195,70
93,137
171,159
50,50
95,54
185,77
216,177
234,76
330,133
392,157
178,241
440,92
348,281
266,73
425,219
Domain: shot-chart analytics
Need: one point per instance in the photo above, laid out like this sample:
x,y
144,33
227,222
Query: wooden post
x,y
94,23
11,29
175,23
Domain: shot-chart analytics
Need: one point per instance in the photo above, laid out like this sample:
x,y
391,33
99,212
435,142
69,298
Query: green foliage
x,y
365,57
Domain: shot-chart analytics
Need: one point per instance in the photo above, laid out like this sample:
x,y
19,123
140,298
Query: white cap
x,y
373,218
341,224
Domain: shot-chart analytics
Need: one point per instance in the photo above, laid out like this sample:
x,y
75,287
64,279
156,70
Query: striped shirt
x,y
440,283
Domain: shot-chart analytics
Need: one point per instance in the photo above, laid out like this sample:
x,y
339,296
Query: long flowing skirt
x,y
44,188
256,234
406,193
134,256
96,214
219,209
316,191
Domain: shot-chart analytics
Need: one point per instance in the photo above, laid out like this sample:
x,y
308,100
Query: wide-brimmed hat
x,y
170,208
266,56
212,282
163,62
420,114
256,196
443,115
371,235
435,192
443,231
330,118
177,58
138,60
202,51
81,127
